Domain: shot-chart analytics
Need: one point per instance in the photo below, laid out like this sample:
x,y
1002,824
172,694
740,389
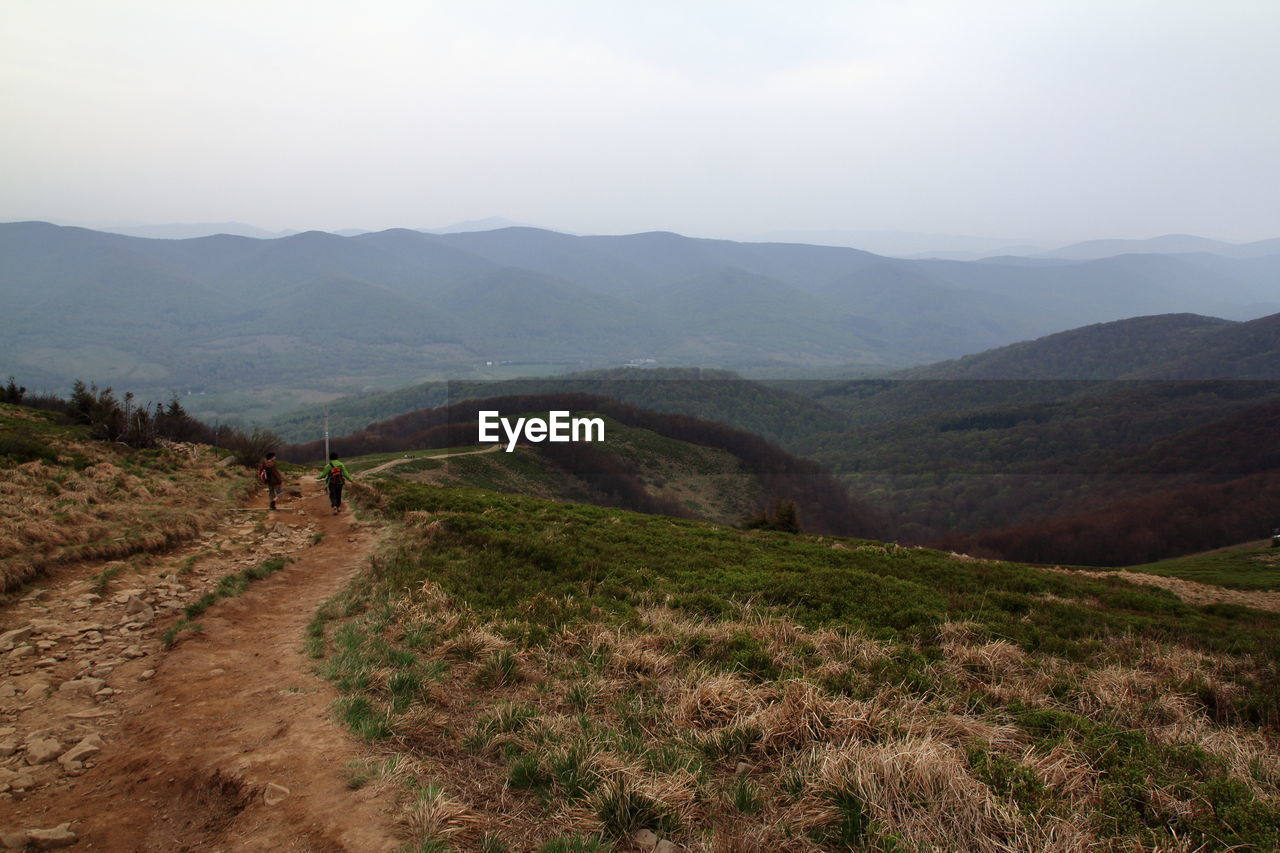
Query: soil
x,y
224,742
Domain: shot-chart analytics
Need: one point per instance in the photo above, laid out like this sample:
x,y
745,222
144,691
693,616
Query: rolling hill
x,y
772,412
637,468
1101,351
653,466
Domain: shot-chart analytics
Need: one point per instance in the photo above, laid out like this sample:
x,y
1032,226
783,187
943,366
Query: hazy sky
x,y
1054,120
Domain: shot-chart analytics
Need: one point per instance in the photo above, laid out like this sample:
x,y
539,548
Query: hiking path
x,y
224,742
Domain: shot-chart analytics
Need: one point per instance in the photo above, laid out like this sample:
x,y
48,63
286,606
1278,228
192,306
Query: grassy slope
x,y
67,497
607,671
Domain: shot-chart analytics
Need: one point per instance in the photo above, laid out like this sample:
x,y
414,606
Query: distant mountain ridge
x,y
195,230
894,244
1100,351
1169,244
1168,346
192,230
321,313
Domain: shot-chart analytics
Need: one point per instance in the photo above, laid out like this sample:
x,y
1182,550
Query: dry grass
x,y
799,714
654,722
712,700
436,816
106,509
918,788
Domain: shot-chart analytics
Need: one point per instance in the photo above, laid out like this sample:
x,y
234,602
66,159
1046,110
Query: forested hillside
x,y
1124,442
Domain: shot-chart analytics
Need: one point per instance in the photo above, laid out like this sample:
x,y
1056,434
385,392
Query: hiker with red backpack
x,y
269,475
336,475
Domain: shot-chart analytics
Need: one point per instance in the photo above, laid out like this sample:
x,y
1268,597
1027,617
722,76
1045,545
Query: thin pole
x,y
326,434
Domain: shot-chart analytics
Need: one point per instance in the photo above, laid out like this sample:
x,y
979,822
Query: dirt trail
x,y
225,742
1192,592
394,462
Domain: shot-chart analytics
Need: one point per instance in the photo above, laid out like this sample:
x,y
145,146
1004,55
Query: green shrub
x,y
19,449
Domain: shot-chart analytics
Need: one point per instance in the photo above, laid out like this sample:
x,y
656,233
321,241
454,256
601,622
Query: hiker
x,y
336,475
269,475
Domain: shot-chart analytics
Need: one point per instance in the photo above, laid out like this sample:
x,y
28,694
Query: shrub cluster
x,y
12,393
125,421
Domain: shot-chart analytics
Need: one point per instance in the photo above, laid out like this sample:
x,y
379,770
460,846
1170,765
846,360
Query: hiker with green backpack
x,y
336,475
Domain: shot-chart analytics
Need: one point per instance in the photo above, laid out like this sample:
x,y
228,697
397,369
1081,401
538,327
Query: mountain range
x,y
268,323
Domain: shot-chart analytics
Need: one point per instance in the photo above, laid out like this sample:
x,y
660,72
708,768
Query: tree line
x,y
1140,530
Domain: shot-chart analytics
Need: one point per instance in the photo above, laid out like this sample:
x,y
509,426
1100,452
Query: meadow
x,y
540,675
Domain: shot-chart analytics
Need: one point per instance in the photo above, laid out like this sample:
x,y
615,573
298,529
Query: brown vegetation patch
x,y
123,502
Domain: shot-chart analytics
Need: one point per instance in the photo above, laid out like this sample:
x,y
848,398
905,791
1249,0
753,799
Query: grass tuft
x,y
622,810
171,634
362,718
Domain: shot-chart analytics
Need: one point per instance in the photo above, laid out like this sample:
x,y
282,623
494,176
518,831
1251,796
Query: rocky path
x,y
224,742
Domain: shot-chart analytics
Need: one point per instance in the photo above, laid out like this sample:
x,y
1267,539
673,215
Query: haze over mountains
x,y
894,244
316,312
192,230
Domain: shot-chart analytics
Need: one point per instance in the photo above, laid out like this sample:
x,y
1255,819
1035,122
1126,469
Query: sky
x,y
1043,120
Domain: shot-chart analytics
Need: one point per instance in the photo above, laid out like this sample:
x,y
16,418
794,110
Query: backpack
x,y
262,474
335,475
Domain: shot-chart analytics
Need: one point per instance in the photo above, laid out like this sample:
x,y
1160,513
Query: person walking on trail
x,y
269,475
336,475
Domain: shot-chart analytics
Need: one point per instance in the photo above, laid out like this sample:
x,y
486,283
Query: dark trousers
x,y
335,494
